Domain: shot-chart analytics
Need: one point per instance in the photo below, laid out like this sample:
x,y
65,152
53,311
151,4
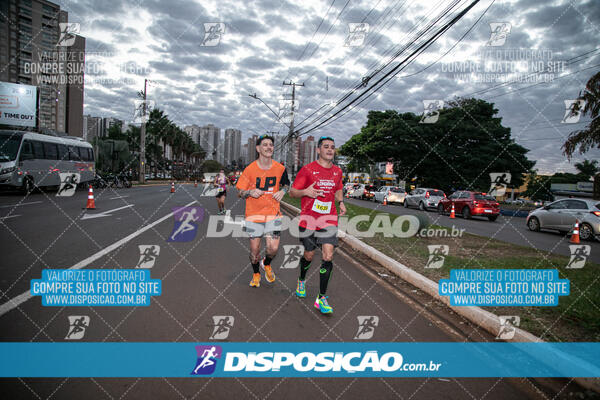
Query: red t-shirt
x,y
320,212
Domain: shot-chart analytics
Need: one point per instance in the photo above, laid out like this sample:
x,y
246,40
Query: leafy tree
x,y
587,168
538,187
459,151
588,138
211,166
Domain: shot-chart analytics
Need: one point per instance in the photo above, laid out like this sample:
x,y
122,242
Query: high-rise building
x,y
251,154
108,123
244,154
34,51
94,127
194,132
209,140
232,145
309,151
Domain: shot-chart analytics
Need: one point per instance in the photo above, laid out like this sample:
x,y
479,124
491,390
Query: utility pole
x,y
292,157
143,138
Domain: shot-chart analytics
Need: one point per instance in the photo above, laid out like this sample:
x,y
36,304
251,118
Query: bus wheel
x,y
27,185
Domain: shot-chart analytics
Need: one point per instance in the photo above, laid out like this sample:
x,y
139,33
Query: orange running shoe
x,y
255,280
268,271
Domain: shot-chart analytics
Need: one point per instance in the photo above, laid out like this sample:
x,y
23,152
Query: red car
x,y
469,204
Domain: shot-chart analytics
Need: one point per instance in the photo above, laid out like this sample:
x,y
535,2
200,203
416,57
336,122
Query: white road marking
x,y
23,297
104,213
10,216
118,197
22,204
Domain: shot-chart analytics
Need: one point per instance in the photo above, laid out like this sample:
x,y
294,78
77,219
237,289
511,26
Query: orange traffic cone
x,y
575,235
384,201
172,187
452,214
90,203
195,183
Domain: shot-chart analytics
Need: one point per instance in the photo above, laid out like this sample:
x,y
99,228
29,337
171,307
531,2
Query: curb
x,y
485,319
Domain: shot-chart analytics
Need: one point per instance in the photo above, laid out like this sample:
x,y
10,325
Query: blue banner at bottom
x,y
223,359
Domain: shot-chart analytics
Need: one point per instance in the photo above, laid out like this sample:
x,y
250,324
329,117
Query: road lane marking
x,y
21,204
104,213
118,197
23,297
10,216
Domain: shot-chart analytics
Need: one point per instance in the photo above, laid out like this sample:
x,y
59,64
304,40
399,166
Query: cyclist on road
x,y
319,185
263,184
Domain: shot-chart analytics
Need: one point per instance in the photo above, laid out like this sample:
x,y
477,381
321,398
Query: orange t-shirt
x,y
265,208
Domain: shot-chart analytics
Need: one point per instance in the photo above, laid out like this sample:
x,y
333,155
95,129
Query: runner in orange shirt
x,y
263,184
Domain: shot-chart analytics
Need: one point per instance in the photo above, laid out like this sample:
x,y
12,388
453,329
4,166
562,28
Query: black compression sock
x,y
304,265
268,259
255,268
324,275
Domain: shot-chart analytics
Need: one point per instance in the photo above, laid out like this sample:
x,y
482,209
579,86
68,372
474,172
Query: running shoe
x,y
322,305
255,280
269,275
301,289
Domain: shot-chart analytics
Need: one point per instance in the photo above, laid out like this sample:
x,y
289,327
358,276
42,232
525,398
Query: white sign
x,y
17,104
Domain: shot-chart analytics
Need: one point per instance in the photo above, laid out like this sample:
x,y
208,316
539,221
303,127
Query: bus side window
x,y
51,151
26,151
73,153
84,154
90,154
63,152
38,150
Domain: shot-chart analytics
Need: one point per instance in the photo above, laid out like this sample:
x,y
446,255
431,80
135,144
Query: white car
x,y
394,194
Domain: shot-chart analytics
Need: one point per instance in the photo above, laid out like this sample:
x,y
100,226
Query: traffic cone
x,y
90,203
196,183
575,235
452,214
172,187
384,201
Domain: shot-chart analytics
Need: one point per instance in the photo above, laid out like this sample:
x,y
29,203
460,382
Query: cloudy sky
x,y
268,41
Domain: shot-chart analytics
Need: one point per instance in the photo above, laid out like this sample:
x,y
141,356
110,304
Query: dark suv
x,y
369,192
471,203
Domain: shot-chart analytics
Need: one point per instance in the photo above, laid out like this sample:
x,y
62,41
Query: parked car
x,y
347,187
424,198
369,192
560,215
470,204
394,194
357,191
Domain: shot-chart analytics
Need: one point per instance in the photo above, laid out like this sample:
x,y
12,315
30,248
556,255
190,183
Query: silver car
x,y
394,194
424,198
561,215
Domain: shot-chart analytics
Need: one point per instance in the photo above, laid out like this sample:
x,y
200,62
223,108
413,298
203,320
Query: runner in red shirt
x,y
319,185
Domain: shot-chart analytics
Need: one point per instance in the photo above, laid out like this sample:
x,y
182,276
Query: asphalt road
x,y
209,277
507,229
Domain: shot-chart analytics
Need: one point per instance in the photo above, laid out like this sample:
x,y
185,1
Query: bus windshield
x,y
9,146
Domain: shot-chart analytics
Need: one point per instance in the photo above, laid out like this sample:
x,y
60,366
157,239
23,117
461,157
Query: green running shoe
x,y
301,289
322,305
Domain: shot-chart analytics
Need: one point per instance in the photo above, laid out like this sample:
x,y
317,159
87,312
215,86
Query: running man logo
x,y
431,111
186,223
68,184
77,326
573,110
507,326
499,33
213,32
357,33
207,359
286,111
437,253
291,256
579,253
366,326
209,190
221,327
139,116
500,181
148,254
68,31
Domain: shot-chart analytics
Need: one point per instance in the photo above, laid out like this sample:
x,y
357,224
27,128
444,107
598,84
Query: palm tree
x,y
587,167
588,138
